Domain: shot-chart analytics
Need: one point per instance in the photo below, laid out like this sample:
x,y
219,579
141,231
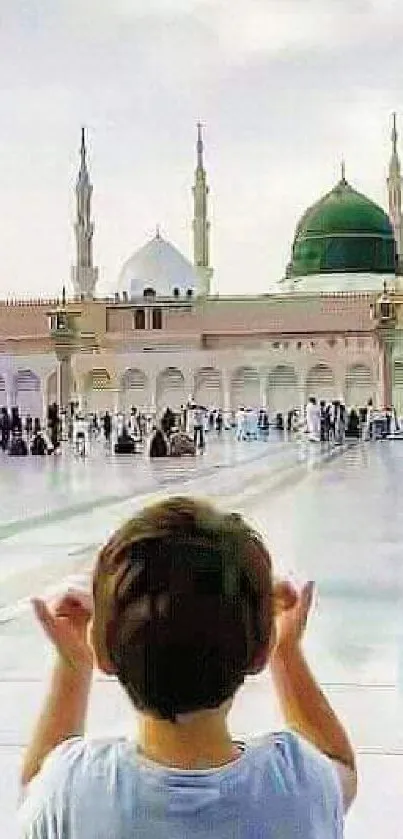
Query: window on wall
x,y
157,319
140,319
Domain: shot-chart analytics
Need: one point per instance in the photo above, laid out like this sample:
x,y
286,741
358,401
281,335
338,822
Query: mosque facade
x,y
333,327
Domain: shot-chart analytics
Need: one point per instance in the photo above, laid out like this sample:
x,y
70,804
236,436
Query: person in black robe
x,y
38,445
125,443
168,421
158,444
107,424
353,425
219,422
5,429
324,430
28,425
16,421
18,446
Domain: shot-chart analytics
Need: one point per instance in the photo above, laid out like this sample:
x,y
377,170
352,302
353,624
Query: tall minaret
x,y
84,275
201,225
395,194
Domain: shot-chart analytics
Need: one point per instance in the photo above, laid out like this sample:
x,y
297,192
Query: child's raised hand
x,y
65,622
291,614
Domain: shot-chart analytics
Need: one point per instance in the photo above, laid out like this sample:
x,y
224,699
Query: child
x,y
184,608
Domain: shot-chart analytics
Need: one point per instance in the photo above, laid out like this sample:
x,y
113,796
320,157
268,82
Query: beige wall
x,y
266,350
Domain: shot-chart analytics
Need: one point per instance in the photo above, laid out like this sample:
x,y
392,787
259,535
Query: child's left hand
x,y
65,622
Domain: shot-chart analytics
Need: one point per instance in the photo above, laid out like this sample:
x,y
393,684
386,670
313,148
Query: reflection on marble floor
x,y
338,524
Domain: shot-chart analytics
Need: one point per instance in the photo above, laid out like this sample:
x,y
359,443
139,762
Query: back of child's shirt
x,y
279,788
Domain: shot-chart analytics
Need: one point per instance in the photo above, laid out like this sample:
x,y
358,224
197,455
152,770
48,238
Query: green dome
x,y
343,232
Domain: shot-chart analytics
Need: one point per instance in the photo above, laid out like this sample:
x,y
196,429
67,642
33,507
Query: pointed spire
x,y
83,173
343,171
199,146
157,232
394,133
83,149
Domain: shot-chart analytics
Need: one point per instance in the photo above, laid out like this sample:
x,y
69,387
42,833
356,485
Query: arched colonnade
x,y
279,387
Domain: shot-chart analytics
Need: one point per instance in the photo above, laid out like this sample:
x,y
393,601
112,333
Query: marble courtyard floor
x,y
336,520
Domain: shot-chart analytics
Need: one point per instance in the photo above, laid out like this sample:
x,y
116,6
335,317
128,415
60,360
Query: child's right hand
x,y
65,621
292,615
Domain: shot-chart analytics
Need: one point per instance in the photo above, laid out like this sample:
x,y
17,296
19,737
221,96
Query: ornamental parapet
x,y
29,304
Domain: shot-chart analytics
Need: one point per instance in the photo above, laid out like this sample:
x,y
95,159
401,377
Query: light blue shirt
x,y
279,788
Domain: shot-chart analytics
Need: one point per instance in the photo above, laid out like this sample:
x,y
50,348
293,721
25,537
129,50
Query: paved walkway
x,y
337,522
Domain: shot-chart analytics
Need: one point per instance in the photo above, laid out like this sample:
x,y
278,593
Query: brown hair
x,y
183,602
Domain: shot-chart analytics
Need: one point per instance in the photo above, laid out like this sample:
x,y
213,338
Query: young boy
x,y
184,608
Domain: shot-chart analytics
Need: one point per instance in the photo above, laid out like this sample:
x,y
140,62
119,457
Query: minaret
x,y
201,225
394,182
84,275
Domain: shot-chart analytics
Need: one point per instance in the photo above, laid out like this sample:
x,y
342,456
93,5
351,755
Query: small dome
x,y
160,268
343,232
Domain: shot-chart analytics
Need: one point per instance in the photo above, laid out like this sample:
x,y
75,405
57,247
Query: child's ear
x,y
262,655
101,660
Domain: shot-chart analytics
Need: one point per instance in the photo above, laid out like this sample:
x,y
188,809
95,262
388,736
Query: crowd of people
x,y
20,436
332,422
184,432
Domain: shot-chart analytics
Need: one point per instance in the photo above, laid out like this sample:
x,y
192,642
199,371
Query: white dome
x,y
158,265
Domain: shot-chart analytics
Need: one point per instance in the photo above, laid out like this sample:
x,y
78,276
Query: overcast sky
x,y
285,88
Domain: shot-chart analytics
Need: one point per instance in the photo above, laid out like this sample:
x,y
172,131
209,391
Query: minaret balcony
x,y
61,329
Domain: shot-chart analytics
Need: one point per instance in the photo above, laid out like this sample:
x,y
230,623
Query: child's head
x,y
183,607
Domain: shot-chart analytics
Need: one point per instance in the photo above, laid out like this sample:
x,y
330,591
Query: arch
x,y
208,387
170,389
398,386
97,386
245,388
359,386
27,390
320,382
282,389
134,389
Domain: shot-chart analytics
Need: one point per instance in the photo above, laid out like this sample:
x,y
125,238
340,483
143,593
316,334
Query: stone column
x,y
10,392
226,393
152,393
386,374
45,400
63,381
65,384
59,384
301,395
115,399
263,390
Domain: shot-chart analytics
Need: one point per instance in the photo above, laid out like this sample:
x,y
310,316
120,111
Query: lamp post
x,y
383,313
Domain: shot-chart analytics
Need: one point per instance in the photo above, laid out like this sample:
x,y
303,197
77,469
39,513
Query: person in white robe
x,y
240,424
313,420
81,434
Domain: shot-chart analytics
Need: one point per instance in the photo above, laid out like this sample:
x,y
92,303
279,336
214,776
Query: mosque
x,y
331,328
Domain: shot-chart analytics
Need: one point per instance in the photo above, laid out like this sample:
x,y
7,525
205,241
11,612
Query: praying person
x,y
184,607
